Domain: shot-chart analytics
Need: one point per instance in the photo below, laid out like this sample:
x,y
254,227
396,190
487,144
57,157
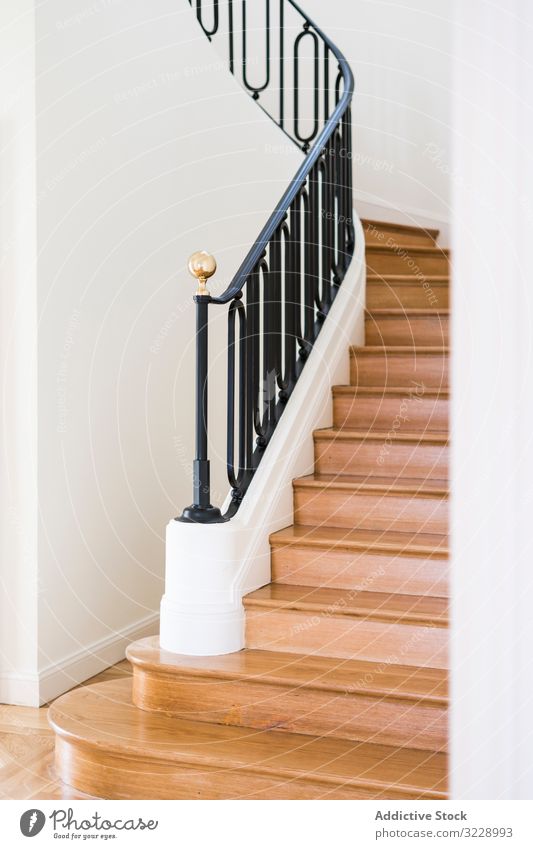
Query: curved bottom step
x,y
107,747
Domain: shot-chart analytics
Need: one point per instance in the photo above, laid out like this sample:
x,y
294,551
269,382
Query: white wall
x,y
492,403
146,150
399,51
18,499
137,166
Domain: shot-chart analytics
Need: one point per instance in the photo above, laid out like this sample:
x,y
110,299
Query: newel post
x,y
202,266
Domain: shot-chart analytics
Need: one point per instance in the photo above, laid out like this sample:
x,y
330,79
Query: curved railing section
x,y
281,295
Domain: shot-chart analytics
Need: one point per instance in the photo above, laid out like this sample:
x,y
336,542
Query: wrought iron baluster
x,y
306,342
209,32
338,84
326,82
327,228
252,366
314,230
231,44
256,89
339,219
292,262
236,477
282,63
350,230
283,285
305,140
261,348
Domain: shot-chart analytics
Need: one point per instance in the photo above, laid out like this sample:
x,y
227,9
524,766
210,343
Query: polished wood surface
x,y
395,607
348,624
409,506
410,259
343,451
395,705
407,327
296,670
341,691
378,408
382,232
359,559
129,753
27,749
407,291
397,365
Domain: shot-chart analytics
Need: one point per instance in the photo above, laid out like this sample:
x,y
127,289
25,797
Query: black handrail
x,y
293,270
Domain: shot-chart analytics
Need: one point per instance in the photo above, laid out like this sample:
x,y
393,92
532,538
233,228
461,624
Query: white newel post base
x,y
201,611
209,568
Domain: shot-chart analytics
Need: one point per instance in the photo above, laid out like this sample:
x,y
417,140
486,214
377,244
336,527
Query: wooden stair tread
x,y
347,434
398,349
343,602
394,485
437,279
407,312
342,538
299,671
102,718
384,391
392,250
404,228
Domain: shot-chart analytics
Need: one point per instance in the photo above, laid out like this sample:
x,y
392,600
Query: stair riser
x,y
374,511
252,704
394,369
346,637
407,330
403,261
390,236
362,570
386,456
383,413
109,776
419,294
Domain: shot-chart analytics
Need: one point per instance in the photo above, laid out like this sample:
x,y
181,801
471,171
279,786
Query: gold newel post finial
x,y
202,266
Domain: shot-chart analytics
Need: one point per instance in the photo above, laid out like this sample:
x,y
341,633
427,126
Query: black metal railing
x,y
282,292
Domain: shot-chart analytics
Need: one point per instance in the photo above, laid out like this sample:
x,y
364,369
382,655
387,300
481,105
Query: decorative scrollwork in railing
x,y
284,289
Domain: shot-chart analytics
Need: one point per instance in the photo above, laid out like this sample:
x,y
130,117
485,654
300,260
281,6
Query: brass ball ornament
x,y
202,266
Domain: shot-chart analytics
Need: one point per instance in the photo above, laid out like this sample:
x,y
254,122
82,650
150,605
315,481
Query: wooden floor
x,y
27,748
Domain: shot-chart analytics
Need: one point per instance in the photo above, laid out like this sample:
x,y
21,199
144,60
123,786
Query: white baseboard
x,y
378,209
56,678
19,689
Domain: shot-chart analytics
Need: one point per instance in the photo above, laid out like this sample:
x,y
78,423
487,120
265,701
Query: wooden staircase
x,y
341,692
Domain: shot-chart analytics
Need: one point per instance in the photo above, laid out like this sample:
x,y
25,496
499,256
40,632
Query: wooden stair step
x,y
407,259
395,705
361,559
352,501
109,748
390,312
378,232
385,408
416,455
389,607
396,365
348,624
407,327
407,290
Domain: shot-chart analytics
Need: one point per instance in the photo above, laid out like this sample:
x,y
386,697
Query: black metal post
x,y
201,510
